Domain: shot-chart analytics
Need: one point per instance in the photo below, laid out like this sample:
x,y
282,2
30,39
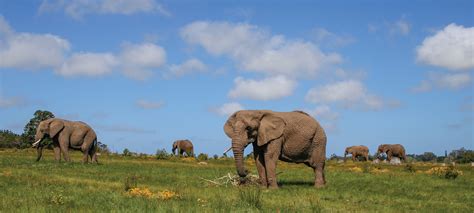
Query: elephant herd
x,y
391,150
287,136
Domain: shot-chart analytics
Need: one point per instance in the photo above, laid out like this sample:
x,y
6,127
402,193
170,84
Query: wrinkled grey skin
x,y
287,136
392,150
357,151
67,134
183,146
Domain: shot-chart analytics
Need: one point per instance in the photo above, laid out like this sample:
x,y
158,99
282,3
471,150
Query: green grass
x,y
45,186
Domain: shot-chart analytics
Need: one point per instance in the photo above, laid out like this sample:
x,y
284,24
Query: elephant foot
x,y
319,184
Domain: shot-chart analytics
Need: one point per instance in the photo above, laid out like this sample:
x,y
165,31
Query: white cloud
x,y
445,81
270,88
227,109
79,8
325,37
451,48
88,64
324,112
11,102
188,67
350,93
254,49
138,60
149,104
28,50
402,27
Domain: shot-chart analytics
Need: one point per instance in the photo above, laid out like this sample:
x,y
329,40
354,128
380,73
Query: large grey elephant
x,y
288,136
391,150
357,151
67,134
183,146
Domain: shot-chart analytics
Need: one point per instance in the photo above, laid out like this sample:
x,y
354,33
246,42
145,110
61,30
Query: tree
x,y
126,152
8,139
30,128
103,148
428,156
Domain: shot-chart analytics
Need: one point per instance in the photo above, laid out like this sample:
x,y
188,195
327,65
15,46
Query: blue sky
x,y
146,72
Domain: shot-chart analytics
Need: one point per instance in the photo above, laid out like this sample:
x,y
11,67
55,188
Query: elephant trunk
x,y
238,147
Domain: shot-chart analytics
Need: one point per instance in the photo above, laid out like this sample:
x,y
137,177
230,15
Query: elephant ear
x,y
54,127
271,127
228,126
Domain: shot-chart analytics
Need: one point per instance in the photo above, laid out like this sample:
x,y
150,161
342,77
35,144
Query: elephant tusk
x,y
227,150
36,143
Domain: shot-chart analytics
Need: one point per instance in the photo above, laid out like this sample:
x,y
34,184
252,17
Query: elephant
x,y
357,151
396,150
67,134
183,146
288,136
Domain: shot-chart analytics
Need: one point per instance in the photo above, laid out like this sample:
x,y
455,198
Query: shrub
x,y
202,157
215,157
410,168
126,152
161,154
448,172
130,182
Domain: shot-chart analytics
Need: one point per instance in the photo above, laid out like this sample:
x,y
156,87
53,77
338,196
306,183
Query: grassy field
x,y
177,186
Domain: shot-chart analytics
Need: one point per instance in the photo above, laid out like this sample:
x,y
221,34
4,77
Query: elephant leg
x,y
57,152
354,157
271,155
320,179
64,145
85,157
389,156
39,151
260,162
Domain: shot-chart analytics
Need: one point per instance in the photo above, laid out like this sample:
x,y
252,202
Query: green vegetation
x,y
144,184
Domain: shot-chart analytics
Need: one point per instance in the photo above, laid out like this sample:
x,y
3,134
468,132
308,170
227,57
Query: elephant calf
x,y
67,134
183,146
287,136
357,151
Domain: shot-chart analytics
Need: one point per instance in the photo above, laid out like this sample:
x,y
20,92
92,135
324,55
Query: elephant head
x,y
251,126
50,127
175,146
383,148
347,151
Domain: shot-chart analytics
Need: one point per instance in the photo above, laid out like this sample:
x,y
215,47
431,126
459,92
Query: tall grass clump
x,y
251,197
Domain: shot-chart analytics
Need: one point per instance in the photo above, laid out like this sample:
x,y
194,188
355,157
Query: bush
x,y
202,157
130,182
161,154
410,168
215,157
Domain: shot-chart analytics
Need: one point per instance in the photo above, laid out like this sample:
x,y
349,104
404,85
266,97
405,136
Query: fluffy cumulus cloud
x,y
88,64
227,109
28,50
138,60
79,8
451,48
270,88
255,49
349,93
445,81
190,66
144,104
